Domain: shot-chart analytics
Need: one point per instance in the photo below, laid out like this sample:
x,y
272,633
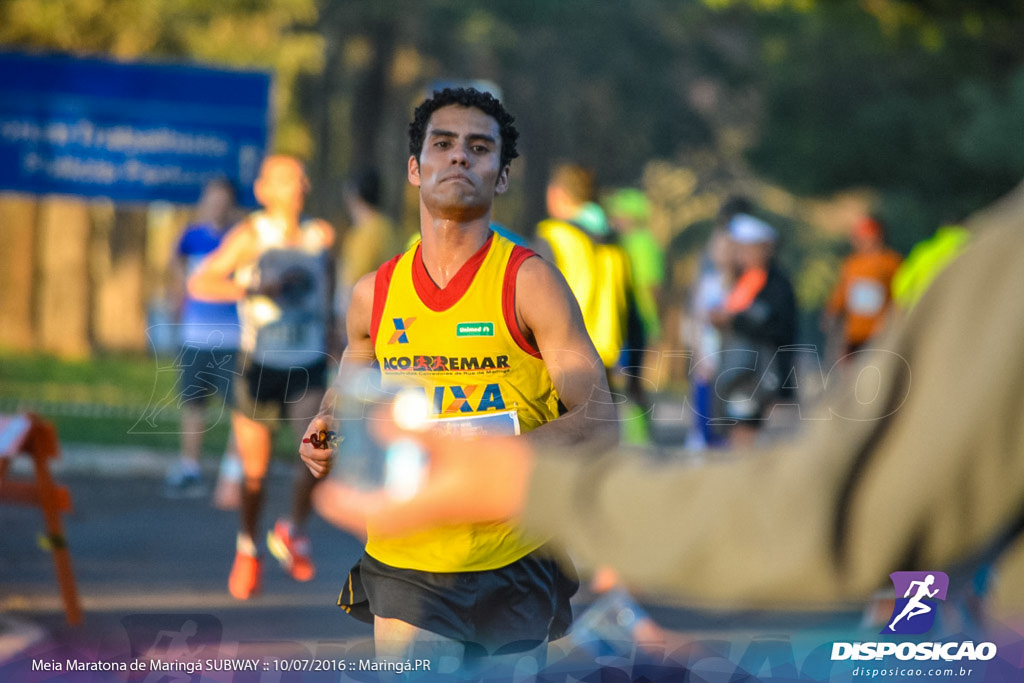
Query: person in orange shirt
x,y
861,298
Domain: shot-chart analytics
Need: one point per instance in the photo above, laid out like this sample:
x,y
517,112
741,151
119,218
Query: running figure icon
x,y
915,606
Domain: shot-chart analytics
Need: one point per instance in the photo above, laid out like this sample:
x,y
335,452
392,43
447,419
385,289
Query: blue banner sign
x,y
130,132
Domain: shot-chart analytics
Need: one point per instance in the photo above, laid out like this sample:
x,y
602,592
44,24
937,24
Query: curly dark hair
x,y
465,97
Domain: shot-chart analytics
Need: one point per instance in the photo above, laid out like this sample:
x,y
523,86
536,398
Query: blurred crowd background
x,y
817,111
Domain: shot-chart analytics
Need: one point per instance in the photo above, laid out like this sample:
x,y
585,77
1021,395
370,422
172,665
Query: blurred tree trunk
x,y
119,248
17,271
326,166
370,96
63,295
348,100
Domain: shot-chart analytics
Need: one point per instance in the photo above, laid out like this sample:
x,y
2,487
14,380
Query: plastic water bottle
x,y
363,459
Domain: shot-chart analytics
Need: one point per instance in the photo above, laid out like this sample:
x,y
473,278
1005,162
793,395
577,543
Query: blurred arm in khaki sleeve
x,y
915,461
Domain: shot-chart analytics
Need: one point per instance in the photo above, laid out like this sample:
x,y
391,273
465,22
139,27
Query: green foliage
x,y
109,399
858,99
98,400
990,137
112,381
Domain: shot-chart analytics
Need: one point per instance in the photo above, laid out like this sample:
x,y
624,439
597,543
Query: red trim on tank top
x,y
381,284
508,299
437,299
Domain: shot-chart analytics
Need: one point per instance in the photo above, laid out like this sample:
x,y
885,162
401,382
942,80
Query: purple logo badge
x,y
917,596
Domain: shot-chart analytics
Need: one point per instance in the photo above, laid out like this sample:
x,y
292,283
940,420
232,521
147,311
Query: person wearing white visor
x,y
745,229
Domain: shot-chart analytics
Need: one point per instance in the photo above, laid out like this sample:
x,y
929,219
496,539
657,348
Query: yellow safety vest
x,y
598,275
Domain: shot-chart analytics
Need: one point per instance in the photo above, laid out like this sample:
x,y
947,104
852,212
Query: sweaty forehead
x,y
455,118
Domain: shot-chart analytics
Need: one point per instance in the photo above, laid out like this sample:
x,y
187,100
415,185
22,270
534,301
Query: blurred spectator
x,y
370,241
859,304
578,240
208,336
277,265
758,323
628,213
704,340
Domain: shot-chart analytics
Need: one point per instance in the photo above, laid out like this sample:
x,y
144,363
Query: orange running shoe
x,y
291,551
244,581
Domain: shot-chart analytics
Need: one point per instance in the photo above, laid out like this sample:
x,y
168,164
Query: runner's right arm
x,y
213,279
358,353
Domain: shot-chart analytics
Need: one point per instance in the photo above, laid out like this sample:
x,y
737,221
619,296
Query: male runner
x,y
277,265
481,588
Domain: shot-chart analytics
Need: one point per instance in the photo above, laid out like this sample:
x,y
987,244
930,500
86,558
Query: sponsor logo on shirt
x,y
401,334
464,399
482,329
442,363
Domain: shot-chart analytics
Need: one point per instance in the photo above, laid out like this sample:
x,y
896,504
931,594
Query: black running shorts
x,y
500,611
263,394
206,374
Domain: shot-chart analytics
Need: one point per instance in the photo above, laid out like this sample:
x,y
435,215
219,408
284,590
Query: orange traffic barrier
x,y
29,435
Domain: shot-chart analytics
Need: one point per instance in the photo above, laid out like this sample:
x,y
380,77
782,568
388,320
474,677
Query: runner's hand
x,y
318,447
468,480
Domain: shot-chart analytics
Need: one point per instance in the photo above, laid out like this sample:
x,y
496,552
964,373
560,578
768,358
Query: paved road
x,y
152,572
145,565
137,555
152,576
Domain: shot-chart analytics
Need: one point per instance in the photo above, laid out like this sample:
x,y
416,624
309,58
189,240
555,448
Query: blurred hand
x,y
317,459
467,481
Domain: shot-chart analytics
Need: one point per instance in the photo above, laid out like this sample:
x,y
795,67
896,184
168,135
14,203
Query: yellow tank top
x,y
463,346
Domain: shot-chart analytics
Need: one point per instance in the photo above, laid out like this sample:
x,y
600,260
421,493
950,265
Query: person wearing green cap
x,y
629,212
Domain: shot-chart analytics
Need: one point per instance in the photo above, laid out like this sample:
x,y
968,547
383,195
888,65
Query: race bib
x,y
502,423
865,297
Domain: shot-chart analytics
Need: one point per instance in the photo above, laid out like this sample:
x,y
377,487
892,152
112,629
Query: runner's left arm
x,y
550,317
